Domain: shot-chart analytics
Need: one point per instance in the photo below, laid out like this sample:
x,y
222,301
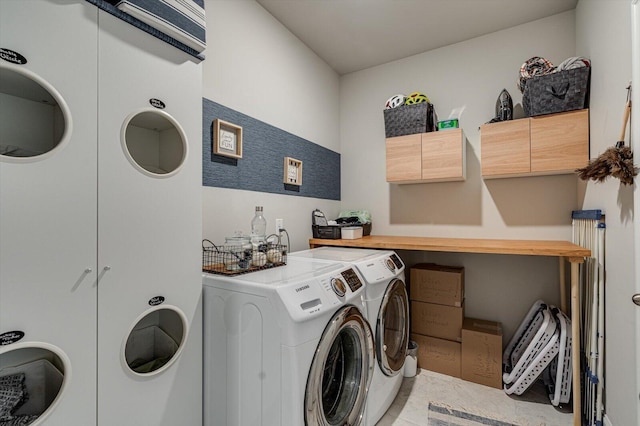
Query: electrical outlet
x,y
279,225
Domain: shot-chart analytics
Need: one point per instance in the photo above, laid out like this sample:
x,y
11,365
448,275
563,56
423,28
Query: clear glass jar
x,y
258,228
238,240
237,251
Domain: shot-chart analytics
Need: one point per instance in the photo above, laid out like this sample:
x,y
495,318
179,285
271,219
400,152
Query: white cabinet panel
x,y
149,219
48,199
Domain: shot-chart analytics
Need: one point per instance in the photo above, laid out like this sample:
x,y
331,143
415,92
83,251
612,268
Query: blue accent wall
x,y
261,167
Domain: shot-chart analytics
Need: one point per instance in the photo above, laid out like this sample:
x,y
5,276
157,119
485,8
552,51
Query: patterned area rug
x,y
441,415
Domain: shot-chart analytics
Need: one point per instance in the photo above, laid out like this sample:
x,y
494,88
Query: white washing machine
x,y
287,346
387,311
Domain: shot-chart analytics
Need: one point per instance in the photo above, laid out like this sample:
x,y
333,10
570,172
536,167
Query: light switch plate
x,y
292,171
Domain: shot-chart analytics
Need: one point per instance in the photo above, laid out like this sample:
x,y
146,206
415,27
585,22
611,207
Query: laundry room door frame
x,y
635,144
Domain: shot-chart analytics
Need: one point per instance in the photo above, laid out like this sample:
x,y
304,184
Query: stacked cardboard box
x,y
437,313
482,352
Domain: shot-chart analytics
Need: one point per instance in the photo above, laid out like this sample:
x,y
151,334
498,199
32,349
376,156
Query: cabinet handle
x,y
107,268
636,299
88,270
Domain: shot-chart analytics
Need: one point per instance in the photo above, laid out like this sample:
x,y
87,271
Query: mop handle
x,y
627,111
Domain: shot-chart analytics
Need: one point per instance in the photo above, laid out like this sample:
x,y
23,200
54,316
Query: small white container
x,y
410,368
351,232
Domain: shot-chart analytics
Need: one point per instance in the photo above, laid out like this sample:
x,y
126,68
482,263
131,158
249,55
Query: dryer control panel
x,y
352,279
396,260
381,268
314,296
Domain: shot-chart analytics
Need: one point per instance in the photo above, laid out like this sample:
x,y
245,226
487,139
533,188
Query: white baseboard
x,y
606,421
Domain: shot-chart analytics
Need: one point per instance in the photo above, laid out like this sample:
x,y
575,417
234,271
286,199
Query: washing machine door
x,y
341,371
392,328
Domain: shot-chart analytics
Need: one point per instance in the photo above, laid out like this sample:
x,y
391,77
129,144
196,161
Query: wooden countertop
x,y
564,250
463,245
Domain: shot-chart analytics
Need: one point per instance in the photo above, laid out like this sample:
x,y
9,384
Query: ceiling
x,y
351,35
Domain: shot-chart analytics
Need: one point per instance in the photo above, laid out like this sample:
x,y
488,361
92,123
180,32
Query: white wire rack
x,y
588,232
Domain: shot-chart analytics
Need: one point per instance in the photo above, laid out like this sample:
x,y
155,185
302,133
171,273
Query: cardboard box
x,y
439,355
482,352
431,319
437,284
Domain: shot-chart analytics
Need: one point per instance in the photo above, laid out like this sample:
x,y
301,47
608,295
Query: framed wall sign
x,y
292,171
227,139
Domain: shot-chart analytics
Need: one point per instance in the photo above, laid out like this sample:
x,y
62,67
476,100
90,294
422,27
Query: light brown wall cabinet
x,y
427,157
544,145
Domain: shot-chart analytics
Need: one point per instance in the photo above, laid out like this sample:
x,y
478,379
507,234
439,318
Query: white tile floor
x,y
411,406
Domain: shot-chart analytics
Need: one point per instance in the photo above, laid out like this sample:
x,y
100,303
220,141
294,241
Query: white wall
x,y
468,75
255,66
603,33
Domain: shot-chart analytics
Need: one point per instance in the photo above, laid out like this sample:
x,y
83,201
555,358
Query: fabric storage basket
x,y
409,119
42,383
149,348
334,232
557,92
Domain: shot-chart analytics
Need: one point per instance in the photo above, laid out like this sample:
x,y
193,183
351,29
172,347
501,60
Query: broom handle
x,y
627,111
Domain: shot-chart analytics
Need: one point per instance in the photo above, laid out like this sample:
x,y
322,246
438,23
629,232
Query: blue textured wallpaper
x,y
264,148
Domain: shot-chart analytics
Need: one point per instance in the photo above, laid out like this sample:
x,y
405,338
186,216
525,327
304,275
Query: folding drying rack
x,y
557,377
540,346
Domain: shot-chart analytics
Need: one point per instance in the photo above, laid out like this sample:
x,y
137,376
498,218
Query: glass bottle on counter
x,y
258,228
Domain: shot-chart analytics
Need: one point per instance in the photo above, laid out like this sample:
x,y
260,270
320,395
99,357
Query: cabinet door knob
x,y
88,270
107,268
636,299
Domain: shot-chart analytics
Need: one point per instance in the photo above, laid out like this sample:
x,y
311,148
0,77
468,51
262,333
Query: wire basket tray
x,y
236,260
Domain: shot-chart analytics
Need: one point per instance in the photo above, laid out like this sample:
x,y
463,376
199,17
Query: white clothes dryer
x,y
387,311
287,346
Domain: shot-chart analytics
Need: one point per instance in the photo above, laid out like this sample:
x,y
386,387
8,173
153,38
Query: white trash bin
x,y
411,362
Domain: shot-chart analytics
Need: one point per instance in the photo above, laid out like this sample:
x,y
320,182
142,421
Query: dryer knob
x,y
338,287
390,265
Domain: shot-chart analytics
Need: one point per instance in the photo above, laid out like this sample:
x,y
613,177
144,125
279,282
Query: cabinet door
x,y
48,202
505,148
560,142
404,162
149,228
443,155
